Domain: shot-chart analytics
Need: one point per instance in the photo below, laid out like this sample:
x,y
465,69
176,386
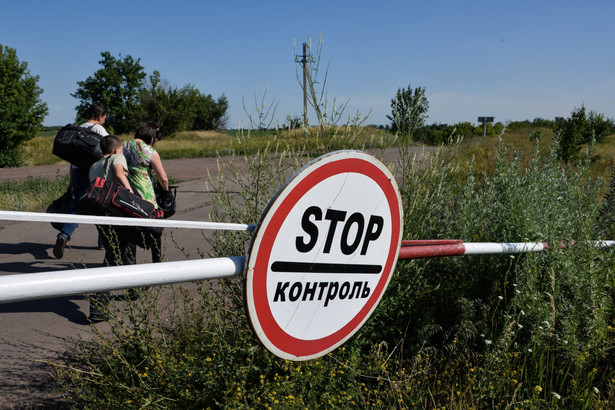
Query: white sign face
x,y
323,255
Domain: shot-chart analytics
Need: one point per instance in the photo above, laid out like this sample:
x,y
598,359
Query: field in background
x,y
197,144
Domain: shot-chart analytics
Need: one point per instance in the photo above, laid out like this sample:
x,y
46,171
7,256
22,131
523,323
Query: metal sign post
x,y
484,121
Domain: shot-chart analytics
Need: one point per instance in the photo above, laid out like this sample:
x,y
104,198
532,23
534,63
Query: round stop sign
x,y
323,254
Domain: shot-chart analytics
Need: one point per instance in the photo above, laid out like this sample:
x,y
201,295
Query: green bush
x,y
581,128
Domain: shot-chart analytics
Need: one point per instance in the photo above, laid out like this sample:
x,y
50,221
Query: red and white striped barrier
x,y
417,249
21,287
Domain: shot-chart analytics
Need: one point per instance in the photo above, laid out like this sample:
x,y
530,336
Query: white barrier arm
x,y
114,220
489,248
44,285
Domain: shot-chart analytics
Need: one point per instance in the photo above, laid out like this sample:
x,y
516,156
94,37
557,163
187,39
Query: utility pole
x,y
303,59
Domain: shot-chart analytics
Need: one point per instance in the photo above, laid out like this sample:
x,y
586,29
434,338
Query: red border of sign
x,y
276,335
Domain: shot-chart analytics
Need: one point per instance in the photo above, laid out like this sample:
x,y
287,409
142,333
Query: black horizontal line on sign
x,y
310,267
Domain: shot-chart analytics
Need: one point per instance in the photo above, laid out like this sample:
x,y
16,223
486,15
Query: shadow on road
x,y
38,250
64,306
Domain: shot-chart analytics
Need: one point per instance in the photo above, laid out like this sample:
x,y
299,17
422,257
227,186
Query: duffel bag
x,y
78,145
62,205
108,198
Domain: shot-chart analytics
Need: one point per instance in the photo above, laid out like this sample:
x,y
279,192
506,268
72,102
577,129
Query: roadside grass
x,y
32,194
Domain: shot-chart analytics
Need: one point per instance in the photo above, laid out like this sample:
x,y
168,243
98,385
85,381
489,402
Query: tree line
x,y
409,110
121,83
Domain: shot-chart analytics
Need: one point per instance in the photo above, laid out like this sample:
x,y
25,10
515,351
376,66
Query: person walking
x,y
79,181
112,167
143,160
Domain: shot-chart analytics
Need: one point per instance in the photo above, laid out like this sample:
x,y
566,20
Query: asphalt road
x,y
36,332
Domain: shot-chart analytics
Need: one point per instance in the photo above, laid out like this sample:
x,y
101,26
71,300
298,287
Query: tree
x,y
581,128
210,113
181,109
408,111
118,85
21,110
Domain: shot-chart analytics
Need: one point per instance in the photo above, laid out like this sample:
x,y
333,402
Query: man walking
x,y
79,179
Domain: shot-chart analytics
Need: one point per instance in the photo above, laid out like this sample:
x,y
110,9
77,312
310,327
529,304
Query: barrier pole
x,y
114,220
45,285
453,247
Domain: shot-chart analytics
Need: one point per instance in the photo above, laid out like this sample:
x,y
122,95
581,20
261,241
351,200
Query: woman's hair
x,y
149,133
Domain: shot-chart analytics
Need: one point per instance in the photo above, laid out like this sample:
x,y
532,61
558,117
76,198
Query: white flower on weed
x,y
540,327
557,396
522,313
488,342
546,322
482,335
559,198
529,350
565,342
517,291
596,390
501,297
519,325
512,256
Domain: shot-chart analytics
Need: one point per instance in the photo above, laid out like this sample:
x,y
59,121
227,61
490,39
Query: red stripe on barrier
x,y
426,242
431,251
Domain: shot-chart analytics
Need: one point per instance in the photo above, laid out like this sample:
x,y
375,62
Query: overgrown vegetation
x,y
529,331
32,194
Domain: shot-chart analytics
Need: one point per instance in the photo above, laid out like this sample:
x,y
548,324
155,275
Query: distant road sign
x,y
484,120
323,255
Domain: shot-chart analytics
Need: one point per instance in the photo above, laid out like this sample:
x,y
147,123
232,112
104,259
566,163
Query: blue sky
x,y
514,60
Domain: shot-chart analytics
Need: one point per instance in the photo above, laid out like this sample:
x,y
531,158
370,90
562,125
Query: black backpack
x,y
78,145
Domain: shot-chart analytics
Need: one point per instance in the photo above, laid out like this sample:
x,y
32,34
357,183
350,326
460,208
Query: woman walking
x,y
143,161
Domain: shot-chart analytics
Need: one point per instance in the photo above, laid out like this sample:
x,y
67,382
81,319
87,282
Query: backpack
x,y
78,145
